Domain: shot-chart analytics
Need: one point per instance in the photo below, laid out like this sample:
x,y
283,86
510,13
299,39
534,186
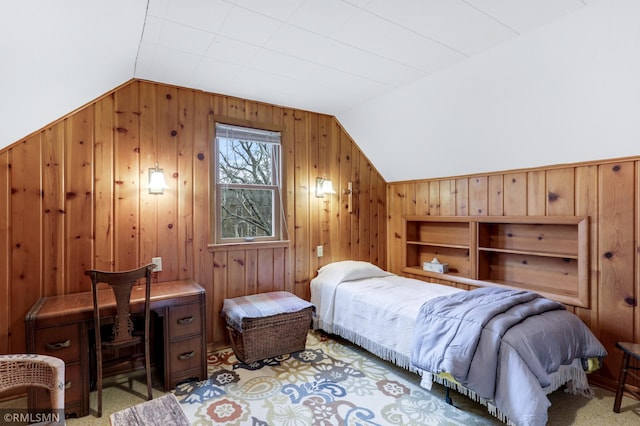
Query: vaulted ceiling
x,y
328,56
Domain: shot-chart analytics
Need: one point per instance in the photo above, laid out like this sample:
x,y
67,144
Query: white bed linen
x,y
375,313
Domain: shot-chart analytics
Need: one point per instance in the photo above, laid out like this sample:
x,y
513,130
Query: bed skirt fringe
x,y
375,348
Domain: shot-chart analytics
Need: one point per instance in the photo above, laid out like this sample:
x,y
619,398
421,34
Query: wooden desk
x,y
60,326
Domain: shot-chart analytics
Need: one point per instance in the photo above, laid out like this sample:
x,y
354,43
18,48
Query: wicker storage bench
x,y
267,325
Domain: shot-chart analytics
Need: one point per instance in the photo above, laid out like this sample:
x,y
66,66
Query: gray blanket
x,y
470,334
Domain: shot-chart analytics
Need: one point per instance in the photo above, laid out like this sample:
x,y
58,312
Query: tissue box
x,y
441,268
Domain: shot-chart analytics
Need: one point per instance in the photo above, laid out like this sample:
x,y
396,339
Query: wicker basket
x,y
271,336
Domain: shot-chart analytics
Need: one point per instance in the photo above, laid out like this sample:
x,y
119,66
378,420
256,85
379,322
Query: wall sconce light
x,y
157,184
323,186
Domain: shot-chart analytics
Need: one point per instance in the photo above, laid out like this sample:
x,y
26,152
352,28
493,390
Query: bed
x,y
417,326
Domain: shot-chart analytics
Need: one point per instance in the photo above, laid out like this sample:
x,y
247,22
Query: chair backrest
x,y
34,370
121,283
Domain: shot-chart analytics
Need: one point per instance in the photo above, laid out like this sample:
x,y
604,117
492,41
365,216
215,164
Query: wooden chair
x,y
123,333
629,350
35,370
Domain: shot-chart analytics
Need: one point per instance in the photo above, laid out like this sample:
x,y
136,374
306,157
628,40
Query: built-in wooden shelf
x,y
546,254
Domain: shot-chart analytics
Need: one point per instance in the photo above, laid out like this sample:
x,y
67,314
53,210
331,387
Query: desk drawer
x,y
62,342
185,320
72,393
186,355
73,384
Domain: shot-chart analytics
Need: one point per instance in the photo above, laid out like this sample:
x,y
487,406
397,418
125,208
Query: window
x,y
247,184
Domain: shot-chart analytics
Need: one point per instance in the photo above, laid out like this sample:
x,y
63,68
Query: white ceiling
x,y
327,56
324,55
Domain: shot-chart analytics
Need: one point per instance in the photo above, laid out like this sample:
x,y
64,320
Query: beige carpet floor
x,y
566,409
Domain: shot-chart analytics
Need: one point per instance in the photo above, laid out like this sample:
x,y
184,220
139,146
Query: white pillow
x,y
350,270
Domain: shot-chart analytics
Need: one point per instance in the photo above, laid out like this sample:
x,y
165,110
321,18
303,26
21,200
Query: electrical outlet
x,y
319,251
158,262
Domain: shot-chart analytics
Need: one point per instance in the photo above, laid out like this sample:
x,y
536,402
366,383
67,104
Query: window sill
x,y
248,245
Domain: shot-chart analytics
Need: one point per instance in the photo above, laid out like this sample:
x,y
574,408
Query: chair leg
x,y
621,381
147,367
99,380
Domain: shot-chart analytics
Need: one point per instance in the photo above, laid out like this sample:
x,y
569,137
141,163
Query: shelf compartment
x,y
442,231
549,275
458,258
559,240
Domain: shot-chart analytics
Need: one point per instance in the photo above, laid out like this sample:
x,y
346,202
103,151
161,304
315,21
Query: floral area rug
x,y
327,384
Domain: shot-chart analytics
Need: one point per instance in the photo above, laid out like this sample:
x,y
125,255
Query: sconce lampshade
x,y
157,184
324,186
327,187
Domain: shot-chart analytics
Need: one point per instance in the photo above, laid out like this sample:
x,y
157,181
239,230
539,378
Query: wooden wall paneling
x,y
409,207
395,226
462,197
560,192
250,265
374,217
235,107
302,199
478,199
345,217
148,158
203,262
447,197
168,131
215,297
423,200
289,192
265,271
281,267
185,182
382,221
434,198
586,204
26,227
616,258
515,194
325,127
364,208
236,273
53,248
354,215
127,175
266,113
5,271
78,199
335,203
251,112
103,185
315,204
536,195
496,195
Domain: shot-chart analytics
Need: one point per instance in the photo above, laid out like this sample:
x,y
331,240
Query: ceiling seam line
x,y
144,25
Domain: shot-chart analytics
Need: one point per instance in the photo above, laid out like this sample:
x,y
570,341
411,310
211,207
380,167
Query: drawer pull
x,y
67,385
59,345
186,355
185,320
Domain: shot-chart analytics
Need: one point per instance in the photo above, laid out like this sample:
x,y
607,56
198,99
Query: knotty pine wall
x,y
74,196
606,191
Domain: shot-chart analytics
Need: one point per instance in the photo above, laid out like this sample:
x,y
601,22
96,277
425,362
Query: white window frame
x,y
275,186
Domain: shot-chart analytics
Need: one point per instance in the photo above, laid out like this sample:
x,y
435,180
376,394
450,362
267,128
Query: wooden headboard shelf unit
x,y
546,254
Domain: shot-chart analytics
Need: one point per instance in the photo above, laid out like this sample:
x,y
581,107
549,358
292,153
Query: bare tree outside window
x,y
247,183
